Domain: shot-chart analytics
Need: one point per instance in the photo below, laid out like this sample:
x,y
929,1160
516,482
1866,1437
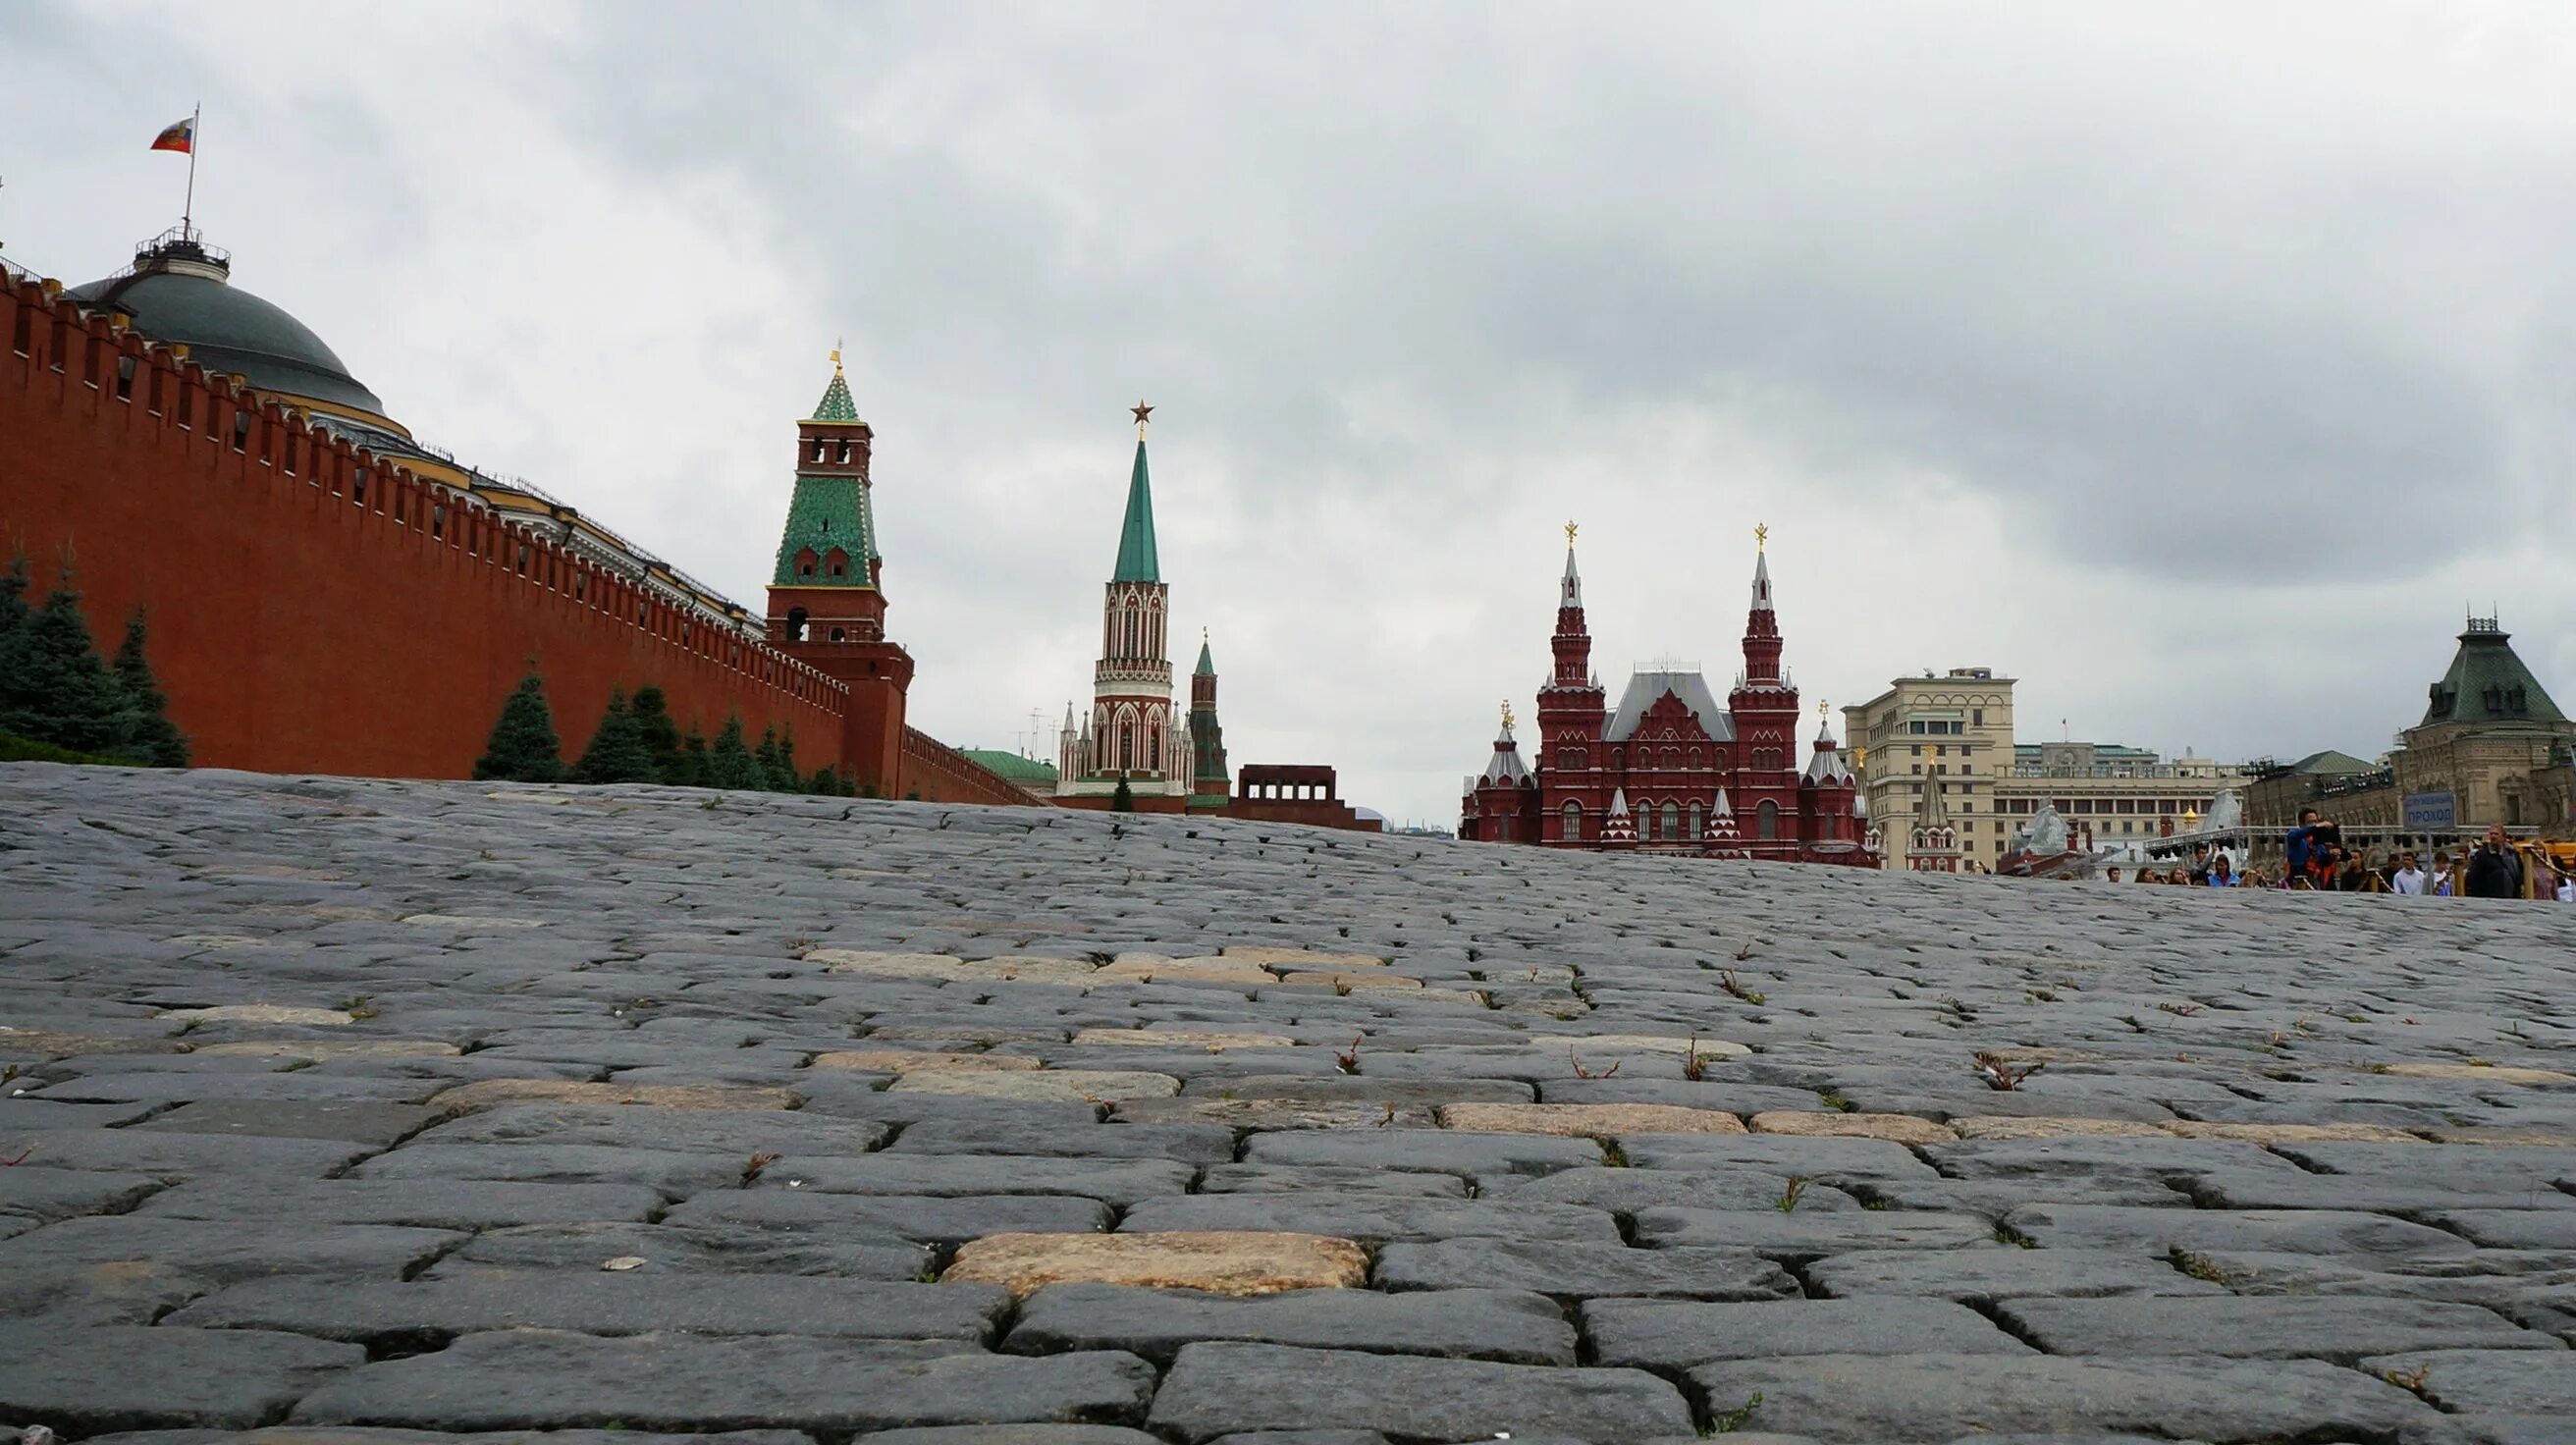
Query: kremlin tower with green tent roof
x,y
1133,737
826,603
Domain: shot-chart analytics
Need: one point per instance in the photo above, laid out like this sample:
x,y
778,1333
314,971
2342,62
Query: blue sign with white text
x,y
2432,810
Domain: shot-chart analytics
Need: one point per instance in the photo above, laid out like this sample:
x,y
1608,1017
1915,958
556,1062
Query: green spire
x,y
1137,561
836,404
1207,663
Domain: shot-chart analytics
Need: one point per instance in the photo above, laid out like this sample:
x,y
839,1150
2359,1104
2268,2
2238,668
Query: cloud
x,y
2192,366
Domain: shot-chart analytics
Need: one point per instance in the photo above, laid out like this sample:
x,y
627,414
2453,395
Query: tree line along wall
x,y
313,607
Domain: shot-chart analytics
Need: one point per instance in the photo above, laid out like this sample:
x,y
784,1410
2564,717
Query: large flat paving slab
x,y
386,1113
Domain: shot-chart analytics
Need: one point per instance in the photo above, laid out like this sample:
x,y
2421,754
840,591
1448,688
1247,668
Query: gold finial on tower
x,y
836,356
1569,533
1761,536
1141,412
1820,709
1507,714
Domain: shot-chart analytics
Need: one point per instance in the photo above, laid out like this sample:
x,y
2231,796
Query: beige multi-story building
x,y
1949,730
2120,796
1954,731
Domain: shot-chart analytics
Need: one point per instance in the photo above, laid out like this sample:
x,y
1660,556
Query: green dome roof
x,y
182,291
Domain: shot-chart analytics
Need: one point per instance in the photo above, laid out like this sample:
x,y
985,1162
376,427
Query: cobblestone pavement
x,y
447,1108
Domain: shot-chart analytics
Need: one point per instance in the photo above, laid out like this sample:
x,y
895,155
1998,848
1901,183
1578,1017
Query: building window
x,y
1673,821
1694,833
1573,822
1766,820
1977,716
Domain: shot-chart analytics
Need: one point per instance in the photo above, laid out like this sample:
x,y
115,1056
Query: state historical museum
x,y
1668,770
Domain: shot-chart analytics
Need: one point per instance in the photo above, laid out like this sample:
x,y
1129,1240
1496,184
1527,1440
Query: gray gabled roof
x,y
1645,689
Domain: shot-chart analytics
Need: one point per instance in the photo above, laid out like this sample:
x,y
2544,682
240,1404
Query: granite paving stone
x,y
2341,1328
600,1302
1668,1335
1374,1218
35,1193
1236,1263
598,1110
427,1203
1478,1324
2503,1382
938,1218
1113,1181
1574,1269
1872,1399
849,1251
552,1379
1799,1234
1215,1389
359,1123
115,1377
230,1250
1985,1275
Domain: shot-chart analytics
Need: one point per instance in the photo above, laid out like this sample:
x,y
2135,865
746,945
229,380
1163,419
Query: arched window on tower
x,y
1766,820
796,624
1573,814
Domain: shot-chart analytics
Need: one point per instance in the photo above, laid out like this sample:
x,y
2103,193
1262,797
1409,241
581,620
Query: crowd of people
x,y
2316,859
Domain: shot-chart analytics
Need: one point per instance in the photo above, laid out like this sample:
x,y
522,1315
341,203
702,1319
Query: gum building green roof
x,y
2488,683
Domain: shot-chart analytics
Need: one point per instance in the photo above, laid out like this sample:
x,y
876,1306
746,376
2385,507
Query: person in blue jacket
x,y
2301,842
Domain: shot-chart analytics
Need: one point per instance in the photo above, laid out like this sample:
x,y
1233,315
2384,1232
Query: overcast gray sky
x,y
2195,365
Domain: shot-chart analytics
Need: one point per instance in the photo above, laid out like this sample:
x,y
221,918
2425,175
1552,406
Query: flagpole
x,y
188,209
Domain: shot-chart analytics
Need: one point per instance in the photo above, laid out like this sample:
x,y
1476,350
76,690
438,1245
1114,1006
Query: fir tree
x,y
524,748
660,735
731,764
1124,800
826,784
147,735
14,615
616,753
53,688
13,597
766,755
788,779
691,771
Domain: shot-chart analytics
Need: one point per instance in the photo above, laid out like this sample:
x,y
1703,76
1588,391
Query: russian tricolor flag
x,y
179,135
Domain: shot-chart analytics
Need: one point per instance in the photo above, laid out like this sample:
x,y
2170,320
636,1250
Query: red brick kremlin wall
x,y
316,609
